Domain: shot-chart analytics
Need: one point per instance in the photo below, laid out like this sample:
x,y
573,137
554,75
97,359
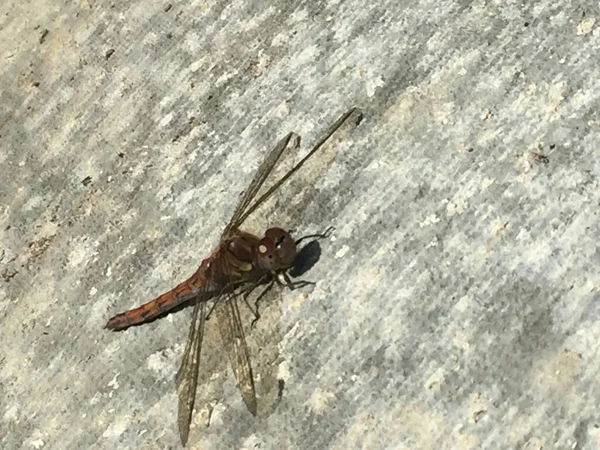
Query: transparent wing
x,y
291,141
245,208
234,342
232,336
187,375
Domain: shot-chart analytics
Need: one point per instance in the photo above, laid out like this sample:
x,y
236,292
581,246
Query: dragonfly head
x,y
276,250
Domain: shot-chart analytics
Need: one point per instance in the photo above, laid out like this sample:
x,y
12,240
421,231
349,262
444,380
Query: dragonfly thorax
x,y
276,250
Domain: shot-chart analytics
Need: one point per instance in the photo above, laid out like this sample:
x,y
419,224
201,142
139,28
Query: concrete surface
x,y
456,304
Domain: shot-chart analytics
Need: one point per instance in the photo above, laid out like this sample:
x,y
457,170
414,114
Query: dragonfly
x,y
240,263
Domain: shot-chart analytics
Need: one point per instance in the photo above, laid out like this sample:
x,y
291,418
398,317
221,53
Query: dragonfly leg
x,y
323,235
212,308
247,293
217,300
288,283
260,296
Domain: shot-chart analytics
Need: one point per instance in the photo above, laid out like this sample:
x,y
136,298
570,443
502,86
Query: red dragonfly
x,y
240,262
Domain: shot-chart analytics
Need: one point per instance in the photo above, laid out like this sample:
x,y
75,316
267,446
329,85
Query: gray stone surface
x,y
456,305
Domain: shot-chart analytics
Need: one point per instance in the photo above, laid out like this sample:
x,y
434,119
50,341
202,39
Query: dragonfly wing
x,y
246,207
291,141
232,337
187,375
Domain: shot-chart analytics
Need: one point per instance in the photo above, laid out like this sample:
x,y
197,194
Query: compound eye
x,y
277,235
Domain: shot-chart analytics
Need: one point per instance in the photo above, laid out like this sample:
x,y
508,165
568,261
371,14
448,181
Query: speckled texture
x,y
456,305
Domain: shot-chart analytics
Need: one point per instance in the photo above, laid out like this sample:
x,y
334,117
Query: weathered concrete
x,y
457,302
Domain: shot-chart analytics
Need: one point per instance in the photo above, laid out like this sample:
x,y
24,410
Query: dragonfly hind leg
x,y
286,283
258,299
245,294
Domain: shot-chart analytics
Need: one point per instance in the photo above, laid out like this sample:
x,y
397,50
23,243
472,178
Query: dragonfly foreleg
x,y
288,283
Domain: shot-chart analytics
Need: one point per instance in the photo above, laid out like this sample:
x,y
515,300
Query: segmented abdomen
x,y
181,293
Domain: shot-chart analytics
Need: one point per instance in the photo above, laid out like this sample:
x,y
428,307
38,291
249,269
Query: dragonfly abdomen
x,y
181,293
